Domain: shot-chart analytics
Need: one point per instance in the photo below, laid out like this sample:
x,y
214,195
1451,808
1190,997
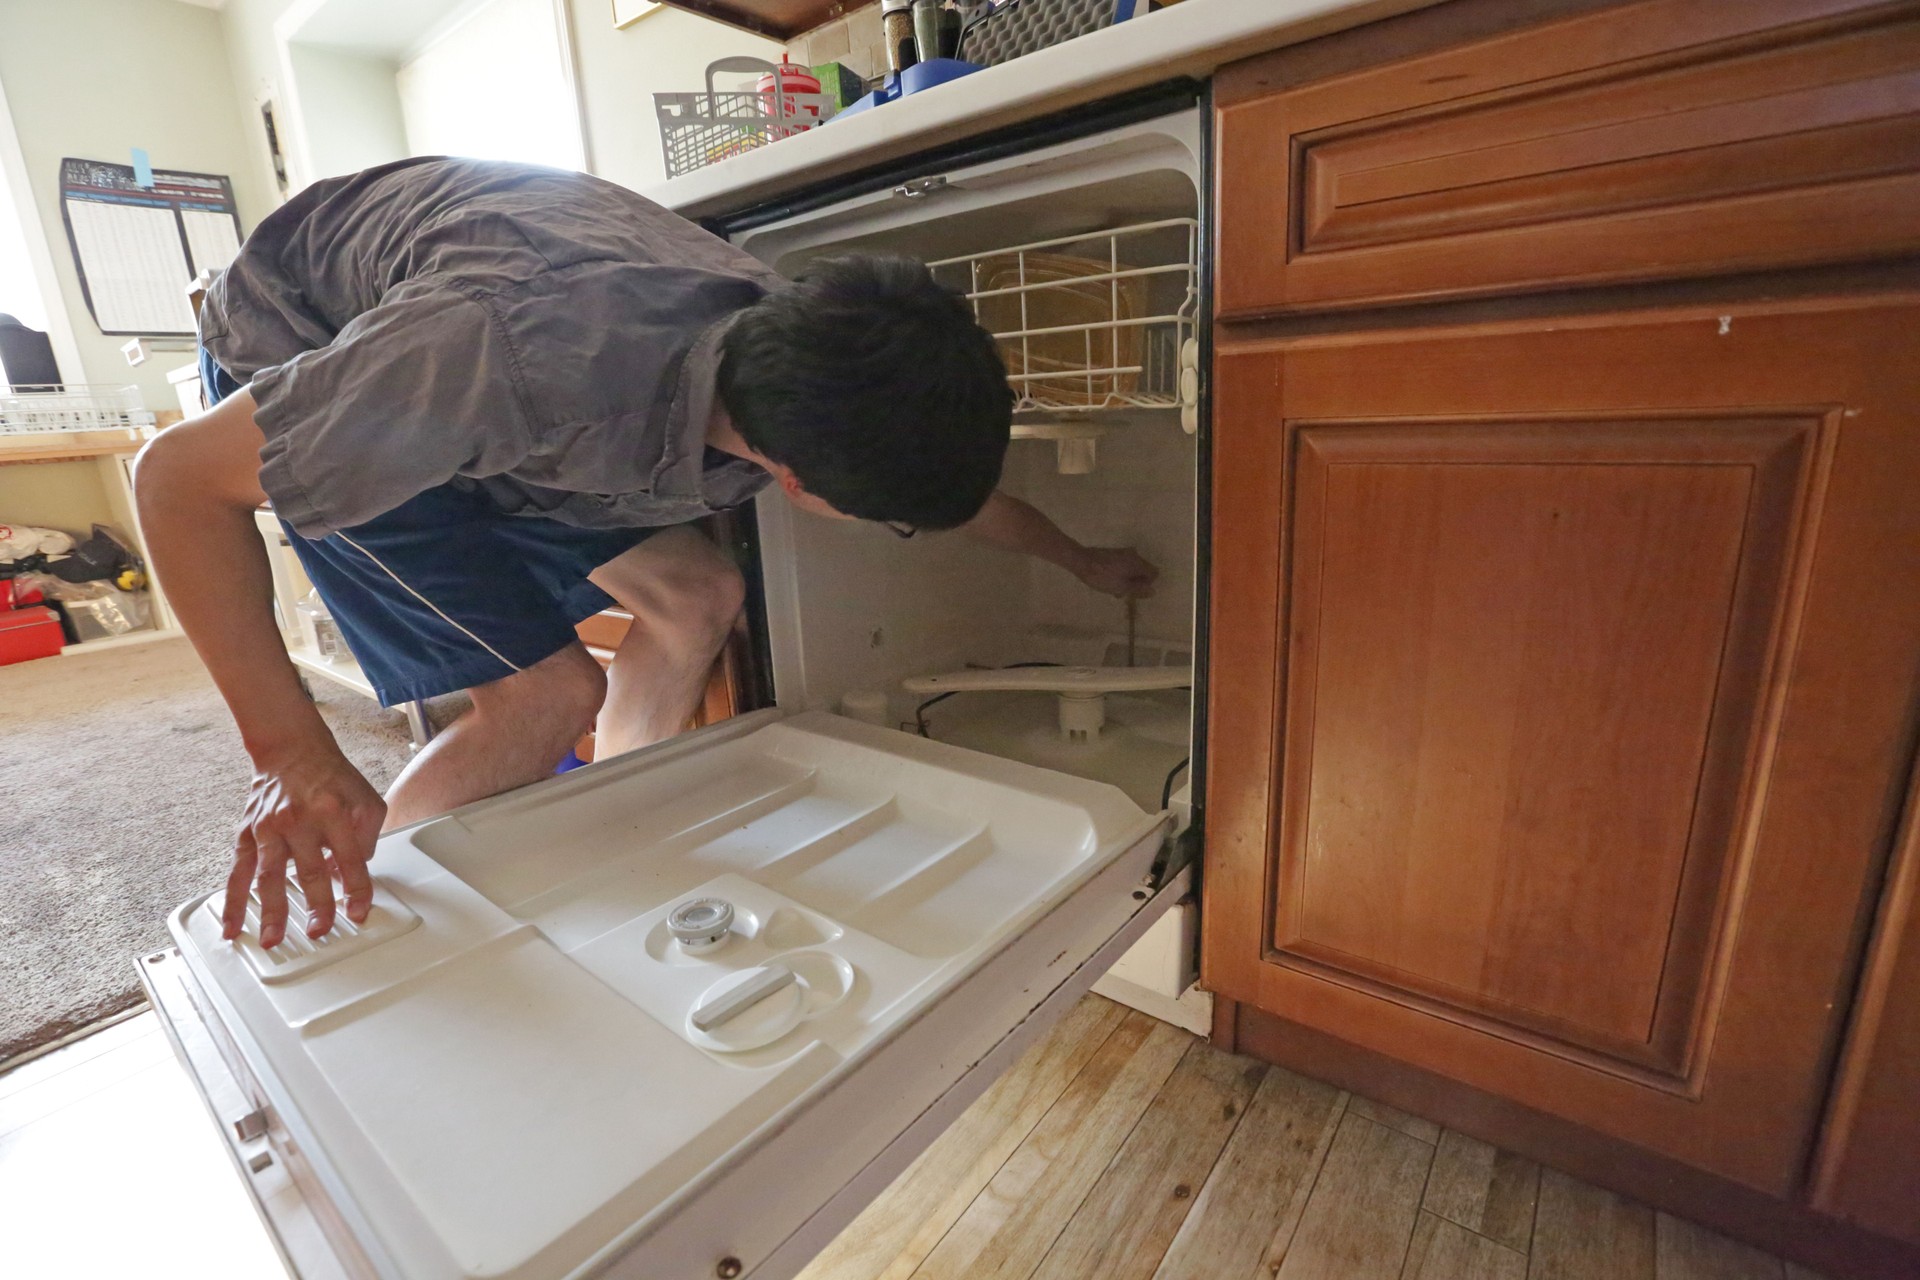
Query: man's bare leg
x,y
520,727
683,594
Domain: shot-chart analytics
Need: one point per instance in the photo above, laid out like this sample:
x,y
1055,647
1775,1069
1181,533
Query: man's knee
x,y
679,587
558,696
717,594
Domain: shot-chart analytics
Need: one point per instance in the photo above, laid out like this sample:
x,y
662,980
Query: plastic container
x,y
104,616
896,19
317,629
29,633
921,75
778,86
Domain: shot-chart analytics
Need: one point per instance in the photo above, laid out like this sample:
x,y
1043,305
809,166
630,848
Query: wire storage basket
x,y
72,408
1089,322
697,129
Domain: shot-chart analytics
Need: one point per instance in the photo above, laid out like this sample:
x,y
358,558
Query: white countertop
x,y
1190,39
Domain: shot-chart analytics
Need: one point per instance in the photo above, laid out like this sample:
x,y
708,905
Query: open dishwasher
x,y
685,1012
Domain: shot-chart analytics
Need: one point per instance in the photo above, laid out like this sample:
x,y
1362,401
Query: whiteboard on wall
x,y
136,246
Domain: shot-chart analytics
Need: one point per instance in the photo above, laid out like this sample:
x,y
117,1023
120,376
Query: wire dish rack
x,y
1089,322
698,129
73,408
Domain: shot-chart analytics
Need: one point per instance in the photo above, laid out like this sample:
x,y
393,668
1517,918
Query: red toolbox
x,y
29,633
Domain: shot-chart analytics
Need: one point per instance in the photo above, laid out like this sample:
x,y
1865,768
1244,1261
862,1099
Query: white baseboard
x,y
1193,1010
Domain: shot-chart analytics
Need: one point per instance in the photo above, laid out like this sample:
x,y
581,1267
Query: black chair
x,y
26,357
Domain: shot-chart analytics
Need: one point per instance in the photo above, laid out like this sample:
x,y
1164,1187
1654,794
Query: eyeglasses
x,y
898,529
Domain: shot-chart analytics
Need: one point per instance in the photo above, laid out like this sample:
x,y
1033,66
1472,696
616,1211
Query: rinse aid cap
x,y
700,924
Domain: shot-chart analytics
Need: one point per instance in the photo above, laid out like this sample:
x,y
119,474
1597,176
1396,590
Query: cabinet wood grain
x,y
1869,1168
1526,660
1651,140
1563,681
775,19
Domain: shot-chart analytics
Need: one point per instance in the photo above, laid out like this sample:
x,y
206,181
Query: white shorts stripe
x,y
430,604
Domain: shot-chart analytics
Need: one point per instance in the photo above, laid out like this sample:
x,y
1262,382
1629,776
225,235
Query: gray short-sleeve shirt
x,y
546,337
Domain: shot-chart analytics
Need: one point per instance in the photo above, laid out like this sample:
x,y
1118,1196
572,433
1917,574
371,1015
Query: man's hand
x,y
1010,523
1117,571
197,485
304,808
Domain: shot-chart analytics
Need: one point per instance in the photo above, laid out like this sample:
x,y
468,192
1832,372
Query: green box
x,y
840,86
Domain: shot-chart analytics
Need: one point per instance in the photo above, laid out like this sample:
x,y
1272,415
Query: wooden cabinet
x,y
775,19
1565,648
1869,1169
1554,741
1651,140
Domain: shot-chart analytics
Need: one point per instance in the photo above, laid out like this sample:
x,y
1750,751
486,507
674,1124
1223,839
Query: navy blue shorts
x,y
446,591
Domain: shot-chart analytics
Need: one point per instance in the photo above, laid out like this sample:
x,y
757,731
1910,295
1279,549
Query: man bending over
x,y
485,400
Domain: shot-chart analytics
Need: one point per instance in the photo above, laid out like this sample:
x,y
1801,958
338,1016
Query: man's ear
x,y
798,495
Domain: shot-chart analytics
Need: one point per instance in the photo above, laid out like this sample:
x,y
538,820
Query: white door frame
x,y
292,118
13,160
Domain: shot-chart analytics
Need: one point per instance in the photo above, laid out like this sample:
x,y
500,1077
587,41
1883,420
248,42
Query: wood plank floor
x,y
1119,1148
1122,1149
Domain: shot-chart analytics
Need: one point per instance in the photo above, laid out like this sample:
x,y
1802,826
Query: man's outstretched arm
x,y
1013,525
197,486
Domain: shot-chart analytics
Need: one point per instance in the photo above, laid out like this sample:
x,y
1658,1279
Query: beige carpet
x,y
121,779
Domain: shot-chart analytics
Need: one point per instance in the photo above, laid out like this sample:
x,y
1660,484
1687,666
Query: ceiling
x,y
394,30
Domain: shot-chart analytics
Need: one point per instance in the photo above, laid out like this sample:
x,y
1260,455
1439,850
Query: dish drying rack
x,y
1091,323
71,409
699,129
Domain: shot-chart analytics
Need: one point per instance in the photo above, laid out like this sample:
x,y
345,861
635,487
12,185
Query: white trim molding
x,y
19,184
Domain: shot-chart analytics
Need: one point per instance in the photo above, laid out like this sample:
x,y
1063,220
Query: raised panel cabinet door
x,y
1650,140
1869,1167
1563,688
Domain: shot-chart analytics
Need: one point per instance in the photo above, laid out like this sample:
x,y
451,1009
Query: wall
x,y
620,71
55,495
853,40
349,110
494,86
20,288
253,66
96,78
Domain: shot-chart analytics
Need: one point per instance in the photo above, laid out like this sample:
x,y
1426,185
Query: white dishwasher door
x,y
531,1062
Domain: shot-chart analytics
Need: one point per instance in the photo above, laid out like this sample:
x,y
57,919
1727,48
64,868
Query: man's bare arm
x,y
197,486
1013,525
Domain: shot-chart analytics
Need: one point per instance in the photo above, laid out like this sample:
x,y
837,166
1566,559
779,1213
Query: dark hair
x,y
876,386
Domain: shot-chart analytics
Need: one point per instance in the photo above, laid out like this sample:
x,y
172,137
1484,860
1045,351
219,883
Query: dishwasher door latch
x,y
252,1126
920,188
1175,856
